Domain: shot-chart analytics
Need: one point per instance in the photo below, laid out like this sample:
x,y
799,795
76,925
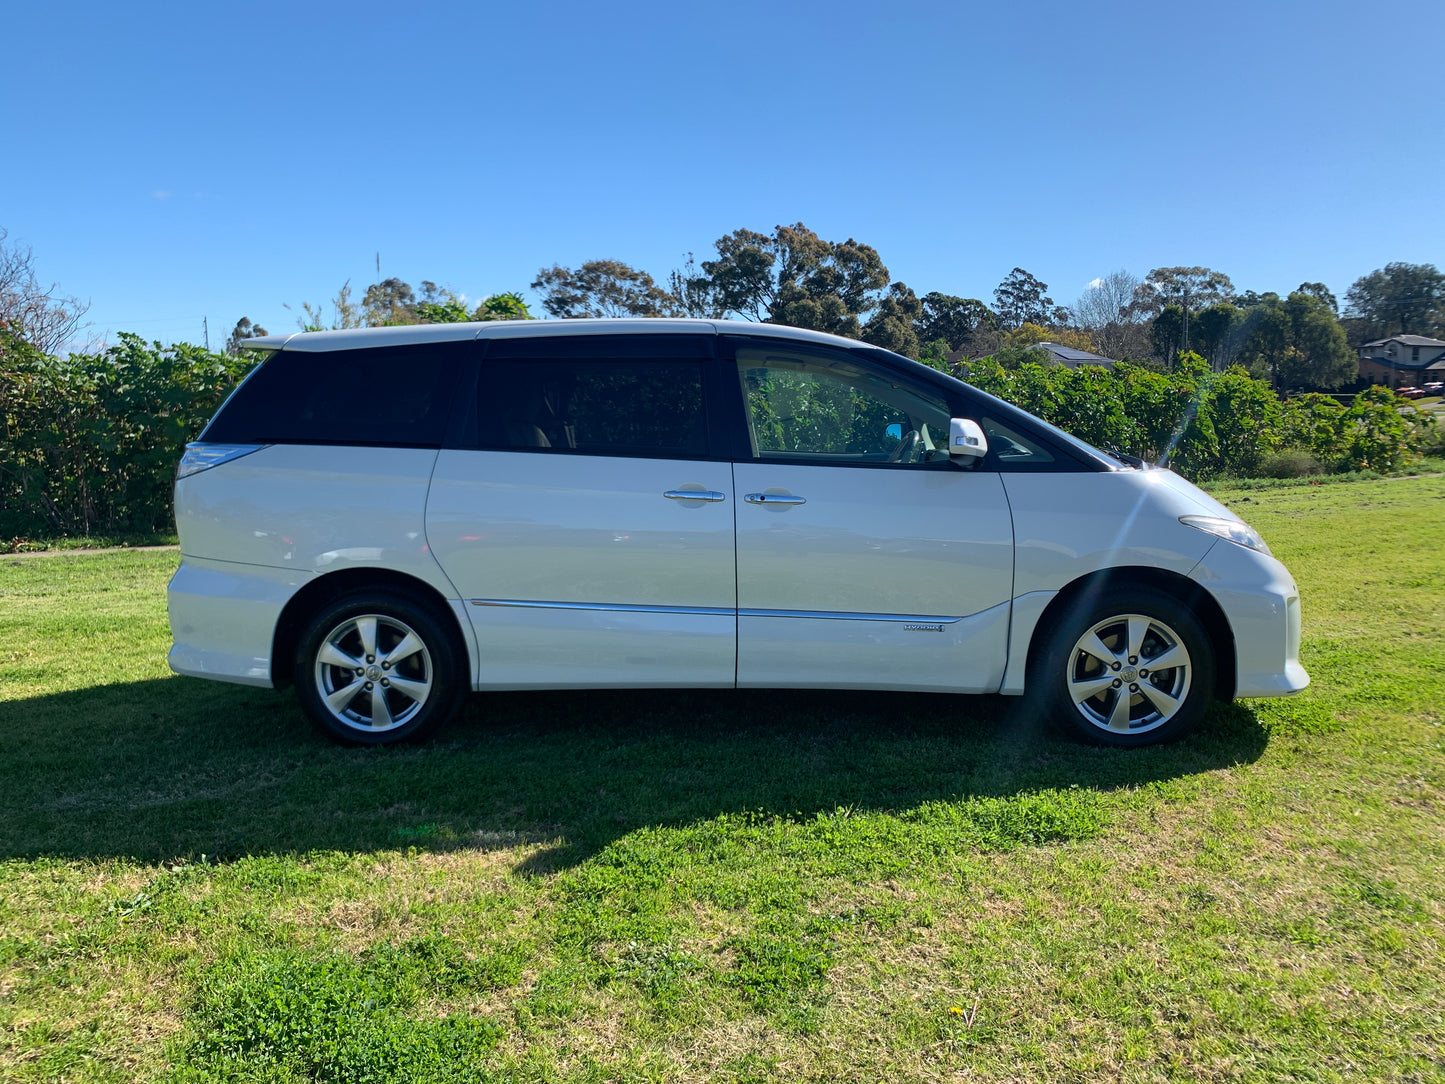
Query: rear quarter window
x,y
383,396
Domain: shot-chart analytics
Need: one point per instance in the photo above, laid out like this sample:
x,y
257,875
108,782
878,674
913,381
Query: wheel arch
x,y
303,605
1185,590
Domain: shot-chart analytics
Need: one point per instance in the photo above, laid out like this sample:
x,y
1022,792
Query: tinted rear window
x,y
384,396
593,406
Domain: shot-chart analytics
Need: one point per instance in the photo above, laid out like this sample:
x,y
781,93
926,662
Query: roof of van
x,y
356,338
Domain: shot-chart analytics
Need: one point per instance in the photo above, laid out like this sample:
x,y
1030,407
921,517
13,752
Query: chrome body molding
x,y
910,619
831,615
712,611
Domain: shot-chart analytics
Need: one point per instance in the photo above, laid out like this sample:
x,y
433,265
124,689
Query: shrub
x,y
1288,463
1375,436
90,442
1206,424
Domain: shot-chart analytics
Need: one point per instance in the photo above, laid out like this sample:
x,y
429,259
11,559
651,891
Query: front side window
x,y
593,406
826,409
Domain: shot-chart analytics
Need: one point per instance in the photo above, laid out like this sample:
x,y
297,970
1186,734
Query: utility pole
x,y
206,333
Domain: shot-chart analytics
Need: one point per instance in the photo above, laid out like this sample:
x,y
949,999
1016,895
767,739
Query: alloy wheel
x,y
1129,674
374,673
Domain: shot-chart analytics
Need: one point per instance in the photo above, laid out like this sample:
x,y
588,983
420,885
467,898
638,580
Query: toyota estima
x,y
389,518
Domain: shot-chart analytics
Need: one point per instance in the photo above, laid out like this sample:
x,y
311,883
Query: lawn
x,y
730,886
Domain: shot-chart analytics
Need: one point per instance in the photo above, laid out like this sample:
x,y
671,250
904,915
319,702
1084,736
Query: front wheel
x,y
374,668
1131,667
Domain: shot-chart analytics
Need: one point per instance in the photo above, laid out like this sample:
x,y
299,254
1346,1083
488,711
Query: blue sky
x,y
177,161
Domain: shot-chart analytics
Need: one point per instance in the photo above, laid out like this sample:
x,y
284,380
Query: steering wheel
x,y
907,448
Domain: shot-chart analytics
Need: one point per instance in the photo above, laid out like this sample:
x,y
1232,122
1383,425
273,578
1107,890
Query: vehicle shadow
x,y
178,768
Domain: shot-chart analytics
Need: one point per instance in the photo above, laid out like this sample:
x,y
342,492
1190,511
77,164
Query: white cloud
x,y
1094,284
162,193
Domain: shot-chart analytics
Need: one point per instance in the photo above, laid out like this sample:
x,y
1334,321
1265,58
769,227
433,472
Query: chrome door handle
x,y
774,498
695,495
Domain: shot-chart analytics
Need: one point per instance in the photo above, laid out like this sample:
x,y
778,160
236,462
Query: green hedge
x,y
90,443
1207,424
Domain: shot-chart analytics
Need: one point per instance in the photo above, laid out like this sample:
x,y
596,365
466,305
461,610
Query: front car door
x,y
866,558
584,517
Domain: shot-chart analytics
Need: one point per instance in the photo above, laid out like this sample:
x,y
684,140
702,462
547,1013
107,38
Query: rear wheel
x,y
375,667
1131,667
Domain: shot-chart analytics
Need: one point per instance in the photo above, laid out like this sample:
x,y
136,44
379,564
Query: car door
x,y
584,519
866,557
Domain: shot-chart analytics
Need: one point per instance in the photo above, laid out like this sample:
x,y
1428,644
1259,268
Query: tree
x,y
954,320
1190,288
439,305
1187,289
394,302
694,293
1398,299
1166,333
792,276
442,311
1320,292
506,306
1021,299
1321,356
892,324
1104,311
1106,300
348,312
1266,336
602,288
389,302
1296,342
39,315
244,329
1213,333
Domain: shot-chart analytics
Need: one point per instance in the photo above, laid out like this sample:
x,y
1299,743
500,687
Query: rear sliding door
x,y
585,520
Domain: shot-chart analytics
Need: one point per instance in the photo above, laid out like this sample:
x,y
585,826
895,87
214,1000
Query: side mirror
x,y
965,438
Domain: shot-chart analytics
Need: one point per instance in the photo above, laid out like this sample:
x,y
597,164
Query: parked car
x,y
1435,387
390,518
1410,392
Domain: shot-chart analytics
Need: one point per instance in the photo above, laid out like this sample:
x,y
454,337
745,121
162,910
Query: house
x,y
1073,358
1402,360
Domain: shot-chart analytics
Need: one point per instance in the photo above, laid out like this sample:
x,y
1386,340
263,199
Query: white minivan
x,y
389,518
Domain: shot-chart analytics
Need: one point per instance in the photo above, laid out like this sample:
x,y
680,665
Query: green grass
x,y
84,542
735,887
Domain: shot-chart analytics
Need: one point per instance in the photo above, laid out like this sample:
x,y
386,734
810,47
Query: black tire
x,y
1084,692
411,682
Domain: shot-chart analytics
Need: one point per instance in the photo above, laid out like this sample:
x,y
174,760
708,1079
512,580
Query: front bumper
x,y
1261,602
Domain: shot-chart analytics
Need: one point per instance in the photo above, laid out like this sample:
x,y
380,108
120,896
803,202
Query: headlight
x,y
1233,530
